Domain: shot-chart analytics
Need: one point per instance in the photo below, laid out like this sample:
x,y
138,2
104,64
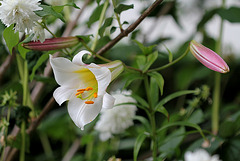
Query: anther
x,y
79,90
95,95
89,102
78,93
89,88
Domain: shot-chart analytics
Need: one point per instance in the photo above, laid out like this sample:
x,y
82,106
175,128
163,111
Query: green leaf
x,y
85,38
182,123
48,10
140,100
23,51
106,24
11,37
140,139
197,117
131,77
231,14
113,29
172,141
159,79
170,55
144,122
154,91
123,7
40,61
174,95
60,8
141,60
207,16
95,15
145,49
163,110
150,60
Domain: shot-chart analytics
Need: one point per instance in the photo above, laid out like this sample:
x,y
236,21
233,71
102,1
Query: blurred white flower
x,y
200,155
117,119
38,32
19,12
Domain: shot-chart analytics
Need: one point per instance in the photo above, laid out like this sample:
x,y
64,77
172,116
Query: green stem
x,y
171,63
23,134
151,115
118,18
100,24
217,84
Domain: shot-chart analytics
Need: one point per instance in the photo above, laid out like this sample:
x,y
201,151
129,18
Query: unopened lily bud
x,y
52,44
208,57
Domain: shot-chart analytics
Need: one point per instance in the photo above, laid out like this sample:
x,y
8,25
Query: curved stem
x,y
117,17
100,24
170,64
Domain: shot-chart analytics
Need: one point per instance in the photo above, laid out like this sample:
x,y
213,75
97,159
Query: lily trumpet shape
x,y
84,86
52,44
208,58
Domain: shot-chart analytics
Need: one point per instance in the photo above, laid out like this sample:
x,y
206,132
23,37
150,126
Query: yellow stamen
x,y
89,88
89,102
95,95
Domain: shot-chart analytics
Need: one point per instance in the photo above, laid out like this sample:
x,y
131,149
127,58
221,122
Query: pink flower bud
x,y
52,44
208,57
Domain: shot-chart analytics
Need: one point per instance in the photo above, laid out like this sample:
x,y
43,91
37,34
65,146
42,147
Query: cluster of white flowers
x,y
21,13
200,155
117,119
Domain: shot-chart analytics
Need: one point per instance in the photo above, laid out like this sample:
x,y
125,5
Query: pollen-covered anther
x,y
95,95
89,88
89,102
79,90
78,93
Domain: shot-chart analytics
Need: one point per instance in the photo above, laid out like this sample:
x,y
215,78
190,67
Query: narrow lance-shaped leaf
x,y
174,95
182,123
106,24
159,79
40,61
140,139
150,60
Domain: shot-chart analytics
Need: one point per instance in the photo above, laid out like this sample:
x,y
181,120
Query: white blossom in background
x,y
117,119
21,13
200,155
38,32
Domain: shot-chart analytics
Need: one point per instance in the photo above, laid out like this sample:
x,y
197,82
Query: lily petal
x,y
62,94
64,71
77,59
108,101
102,75
82,113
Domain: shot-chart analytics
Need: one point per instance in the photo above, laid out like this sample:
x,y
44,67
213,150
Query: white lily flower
x,y
84,86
